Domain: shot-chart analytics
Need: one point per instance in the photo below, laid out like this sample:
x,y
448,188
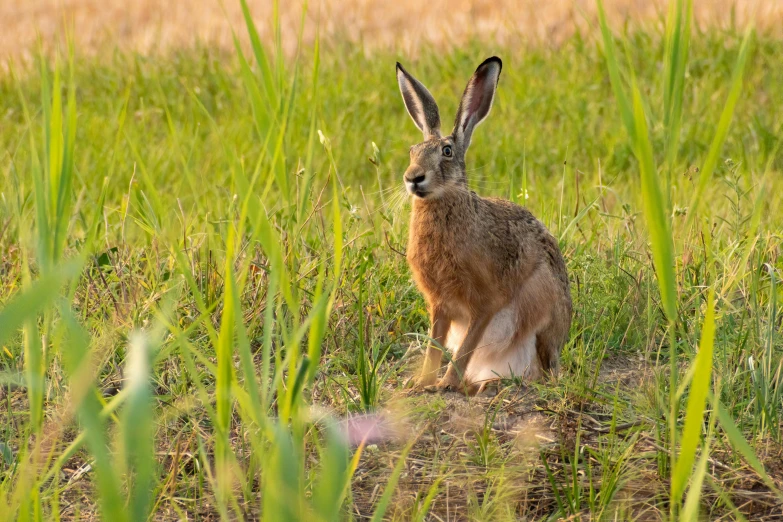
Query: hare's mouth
x,y
417,189
419,192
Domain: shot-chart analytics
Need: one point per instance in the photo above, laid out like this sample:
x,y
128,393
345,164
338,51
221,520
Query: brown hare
x,y
493,277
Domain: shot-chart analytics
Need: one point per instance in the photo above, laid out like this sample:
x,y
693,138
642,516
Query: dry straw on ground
x,y
151,26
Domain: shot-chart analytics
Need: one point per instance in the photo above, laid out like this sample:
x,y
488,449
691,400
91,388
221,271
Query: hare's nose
x,y
414,175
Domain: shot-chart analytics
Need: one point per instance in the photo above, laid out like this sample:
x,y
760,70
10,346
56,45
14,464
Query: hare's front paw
x,y
449,382
421,384
427,378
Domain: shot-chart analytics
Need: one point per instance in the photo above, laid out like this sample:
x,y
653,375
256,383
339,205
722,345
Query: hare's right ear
x,y
420,103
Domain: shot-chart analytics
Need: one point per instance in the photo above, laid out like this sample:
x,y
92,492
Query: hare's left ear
x,y
477,100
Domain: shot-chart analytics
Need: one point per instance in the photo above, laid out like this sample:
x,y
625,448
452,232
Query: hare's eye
x,y
447,151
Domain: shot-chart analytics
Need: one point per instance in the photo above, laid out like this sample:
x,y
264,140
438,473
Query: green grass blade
x,y
576,219
723,125
654,208
278,36
738,442
261,58
678,29
655,211
320,317
271,243
337,232
308,172
283,495
62,213
267,337
138,428
34,299
153,202
224,377
391,484
35,372
246,360
614,74
697,400
690,510
39,185
92,418
335,475
318,328
261,111
112,503
54,147
424,509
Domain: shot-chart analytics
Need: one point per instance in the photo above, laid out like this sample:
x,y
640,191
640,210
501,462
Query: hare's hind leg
x,y
549,342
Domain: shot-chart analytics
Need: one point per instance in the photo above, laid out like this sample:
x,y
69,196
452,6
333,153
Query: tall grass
x,y
204,276
270,218
686,441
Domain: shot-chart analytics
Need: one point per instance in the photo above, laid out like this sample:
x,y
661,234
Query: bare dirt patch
x,y
492,456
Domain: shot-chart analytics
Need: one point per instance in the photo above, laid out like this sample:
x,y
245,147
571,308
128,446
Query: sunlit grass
x,y
202,276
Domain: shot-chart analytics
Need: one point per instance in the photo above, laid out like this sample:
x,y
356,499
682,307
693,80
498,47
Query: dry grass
x,y
151,26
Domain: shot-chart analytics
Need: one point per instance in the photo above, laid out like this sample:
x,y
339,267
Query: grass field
x,y
206,312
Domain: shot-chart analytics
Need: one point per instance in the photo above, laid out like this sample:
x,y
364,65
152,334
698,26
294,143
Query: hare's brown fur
x,y
492,275
473,255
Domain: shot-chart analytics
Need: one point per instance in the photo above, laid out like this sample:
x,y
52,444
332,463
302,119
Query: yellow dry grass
x,y
153,26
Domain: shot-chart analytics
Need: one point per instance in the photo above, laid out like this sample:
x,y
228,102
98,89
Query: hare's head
x,y
438,162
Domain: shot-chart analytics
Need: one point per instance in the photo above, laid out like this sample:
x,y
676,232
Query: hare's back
x,y
514,224
517,227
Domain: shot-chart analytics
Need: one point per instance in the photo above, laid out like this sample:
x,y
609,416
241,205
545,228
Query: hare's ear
x,y
477,100
420,103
